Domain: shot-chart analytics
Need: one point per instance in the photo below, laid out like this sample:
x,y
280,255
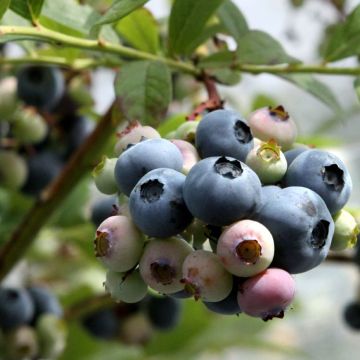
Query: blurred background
x,y
313,328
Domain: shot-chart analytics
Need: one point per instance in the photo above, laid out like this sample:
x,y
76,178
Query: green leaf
x,y
226,76
29,9
225,58
315,87
4,4
141,30
233,20
188,19
144,88
345,38
259,48
118,10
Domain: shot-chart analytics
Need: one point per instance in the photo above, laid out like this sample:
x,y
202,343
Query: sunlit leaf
x,y
187,20
140,30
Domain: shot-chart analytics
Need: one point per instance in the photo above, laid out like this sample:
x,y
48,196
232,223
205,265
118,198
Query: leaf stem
x,y
298,69
80,164
102,46
41,33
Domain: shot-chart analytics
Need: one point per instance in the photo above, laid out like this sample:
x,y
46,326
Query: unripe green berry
x,y
103,175
13,170
126,287
29,127
268,161
52,334
186,131
346,231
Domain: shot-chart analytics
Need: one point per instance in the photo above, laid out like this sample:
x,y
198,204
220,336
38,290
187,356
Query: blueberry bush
x,y
179,221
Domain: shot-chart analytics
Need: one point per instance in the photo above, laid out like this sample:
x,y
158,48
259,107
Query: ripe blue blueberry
x,y
323,173
40,86
43,167
102,324
164,312
103,208
223,132
143,157
301,226
16,308
221,190
156,203
292,154
352,315
44,301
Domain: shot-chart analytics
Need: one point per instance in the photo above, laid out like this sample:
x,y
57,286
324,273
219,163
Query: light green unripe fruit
x,y
13,170
268,161
103,175
29,127
126,287
346,231
21,343
52,333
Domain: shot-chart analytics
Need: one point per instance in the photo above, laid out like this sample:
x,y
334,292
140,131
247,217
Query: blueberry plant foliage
x,y
51,139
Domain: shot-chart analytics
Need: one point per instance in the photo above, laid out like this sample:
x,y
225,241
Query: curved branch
x,y
40,33
80,164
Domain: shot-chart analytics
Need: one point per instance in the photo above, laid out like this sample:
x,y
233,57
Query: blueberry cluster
x,y
40,128
31,324
136,323
226,216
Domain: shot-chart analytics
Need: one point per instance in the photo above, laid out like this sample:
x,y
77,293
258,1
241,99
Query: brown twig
x,y
80,164
214,101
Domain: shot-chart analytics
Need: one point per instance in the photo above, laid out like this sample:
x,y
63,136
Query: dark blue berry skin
x,y
222,190
143,157
292,154
228,306
78,131
43,168
16,308
44,302
352,315
323,173
223,132
301,226
102,209
157,206
102,324
40,86
163,312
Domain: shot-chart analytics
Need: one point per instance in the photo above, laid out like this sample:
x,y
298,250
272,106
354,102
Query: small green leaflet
x,y
144,89
140,29
188,18
345,38
4,4
232,20
315,87
259,48
29,9
118,10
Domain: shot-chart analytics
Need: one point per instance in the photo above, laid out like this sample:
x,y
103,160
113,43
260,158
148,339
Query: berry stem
x,y
214,101
73,172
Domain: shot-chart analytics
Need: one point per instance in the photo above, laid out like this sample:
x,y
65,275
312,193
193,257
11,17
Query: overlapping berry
x,y
227,221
